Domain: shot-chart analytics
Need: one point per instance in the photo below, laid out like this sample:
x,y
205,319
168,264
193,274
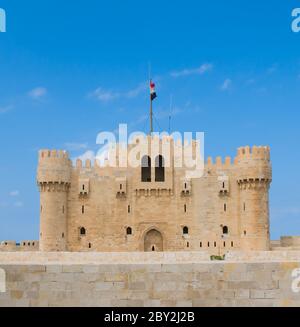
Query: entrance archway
x,y
153,241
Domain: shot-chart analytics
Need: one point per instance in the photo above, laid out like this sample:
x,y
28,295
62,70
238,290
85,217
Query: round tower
x,y
254,175
54,179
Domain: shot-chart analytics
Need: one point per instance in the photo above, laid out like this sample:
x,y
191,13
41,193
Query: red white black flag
x,y
152,90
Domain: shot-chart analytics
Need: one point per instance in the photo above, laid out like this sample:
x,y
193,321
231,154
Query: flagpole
x,y
151,115
151,108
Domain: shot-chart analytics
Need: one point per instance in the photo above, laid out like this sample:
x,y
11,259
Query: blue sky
x,y
70,69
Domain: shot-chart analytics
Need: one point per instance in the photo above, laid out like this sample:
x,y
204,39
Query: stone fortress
x,y
147,236
155,206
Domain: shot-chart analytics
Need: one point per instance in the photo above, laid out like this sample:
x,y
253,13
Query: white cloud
x,y
194,71
37,93
226,84
73,146
137,91
5,109
87,155
18,204
272,69
104,95
109,95
293,211
14,193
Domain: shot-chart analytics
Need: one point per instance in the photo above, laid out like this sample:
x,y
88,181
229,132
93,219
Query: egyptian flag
x,y
152,91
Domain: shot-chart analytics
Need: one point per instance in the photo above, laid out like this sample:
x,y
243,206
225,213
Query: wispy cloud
x,y
5,109
14,193
18,204
193,71
272,69
73,146
87,155
137,91
104,95
37,93
227,84
291,211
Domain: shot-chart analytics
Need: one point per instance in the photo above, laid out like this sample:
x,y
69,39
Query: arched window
x,y
82,231
129,231
146,169
185,230
225,230
159,169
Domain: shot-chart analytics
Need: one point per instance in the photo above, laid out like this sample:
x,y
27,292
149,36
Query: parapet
x,y
254,153
219,163
253,164
54,167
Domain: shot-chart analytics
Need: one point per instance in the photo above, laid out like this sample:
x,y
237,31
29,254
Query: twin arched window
x,y
146,169
159,169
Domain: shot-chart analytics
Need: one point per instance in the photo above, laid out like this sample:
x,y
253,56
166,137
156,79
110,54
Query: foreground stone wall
x,y
163,280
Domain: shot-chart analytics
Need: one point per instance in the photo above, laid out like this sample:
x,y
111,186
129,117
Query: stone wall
x,y
168,279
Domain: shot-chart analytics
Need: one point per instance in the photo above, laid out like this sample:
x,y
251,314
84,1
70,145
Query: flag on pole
x,y
152,90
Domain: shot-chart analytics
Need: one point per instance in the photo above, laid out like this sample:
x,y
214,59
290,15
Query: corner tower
x,y
254,175
54,179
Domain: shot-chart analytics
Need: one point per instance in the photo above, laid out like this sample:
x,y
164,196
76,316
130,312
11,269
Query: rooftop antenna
x,y
170,114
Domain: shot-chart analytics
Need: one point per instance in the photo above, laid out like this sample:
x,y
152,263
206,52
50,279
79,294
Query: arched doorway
x,y
153,241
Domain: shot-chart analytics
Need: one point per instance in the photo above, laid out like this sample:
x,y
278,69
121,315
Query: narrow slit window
x,y
225,207
82,209
200,244
128,209
184,208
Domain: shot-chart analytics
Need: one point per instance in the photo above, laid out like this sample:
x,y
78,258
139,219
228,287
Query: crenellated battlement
x,y
219,163
85,164
254,153
54,167
43,154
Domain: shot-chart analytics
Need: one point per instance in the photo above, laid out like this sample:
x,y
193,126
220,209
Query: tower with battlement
x,y
154,206
54,180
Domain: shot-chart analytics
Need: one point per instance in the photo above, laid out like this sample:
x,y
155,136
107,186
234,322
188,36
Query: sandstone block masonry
x,y
168,280
155,206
